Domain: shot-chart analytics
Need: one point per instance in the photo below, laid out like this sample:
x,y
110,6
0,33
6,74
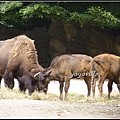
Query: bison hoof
x,y
30,93
65,99
108,96
61,98
45,92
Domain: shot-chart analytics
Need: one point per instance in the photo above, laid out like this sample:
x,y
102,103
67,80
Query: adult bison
x,y
18,57
65,67
108,67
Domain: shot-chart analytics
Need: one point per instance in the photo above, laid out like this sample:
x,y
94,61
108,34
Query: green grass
x,y
72,97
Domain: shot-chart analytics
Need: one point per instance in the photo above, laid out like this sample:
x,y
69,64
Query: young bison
x,y
65,67
108,67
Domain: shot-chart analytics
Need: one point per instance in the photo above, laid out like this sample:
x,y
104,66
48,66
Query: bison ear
x,y
47,74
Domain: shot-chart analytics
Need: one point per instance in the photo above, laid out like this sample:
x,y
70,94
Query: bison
x,y
29,83
107,66
65,67
18,57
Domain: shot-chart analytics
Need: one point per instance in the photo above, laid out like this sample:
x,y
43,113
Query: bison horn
x,y
36,74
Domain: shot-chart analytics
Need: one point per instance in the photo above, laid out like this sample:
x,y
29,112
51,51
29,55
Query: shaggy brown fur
x,y
108,67
18,58
65,67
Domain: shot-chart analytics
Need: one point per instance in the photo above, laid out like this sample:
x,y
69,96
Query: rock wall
x,y
74,38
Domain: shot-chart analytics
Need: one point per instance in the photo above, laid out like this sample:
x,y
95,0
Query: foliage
x,y
17,14
100,17
9,13
42,10
8,6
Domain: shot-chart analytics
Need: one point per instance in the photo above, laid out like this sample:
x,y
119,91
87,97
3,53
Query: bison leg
x,y
110,83
67,85
22,87
93,84
0,81
9,80
61,89
100,87
118,84
88,83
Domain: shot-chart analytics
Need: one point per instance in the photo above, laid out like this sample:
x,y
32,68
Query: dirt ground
x,y
39,109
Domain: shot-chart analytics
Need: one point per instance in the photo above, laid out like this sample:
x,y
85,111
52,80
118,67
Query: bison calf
x,y
65,67
108,67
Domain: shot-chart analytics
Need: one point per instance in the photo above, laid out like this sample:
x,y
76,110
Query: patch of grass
x,y
72,97
42,96
75,97
6,93
113,99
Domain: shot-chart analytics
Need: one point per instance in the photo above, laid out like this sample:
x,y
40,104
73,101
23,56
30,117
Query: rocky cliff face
x,y
73,38
85,40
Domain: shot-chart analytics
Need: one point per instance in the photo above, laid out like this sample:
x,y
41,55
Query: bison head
x,y
43,80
